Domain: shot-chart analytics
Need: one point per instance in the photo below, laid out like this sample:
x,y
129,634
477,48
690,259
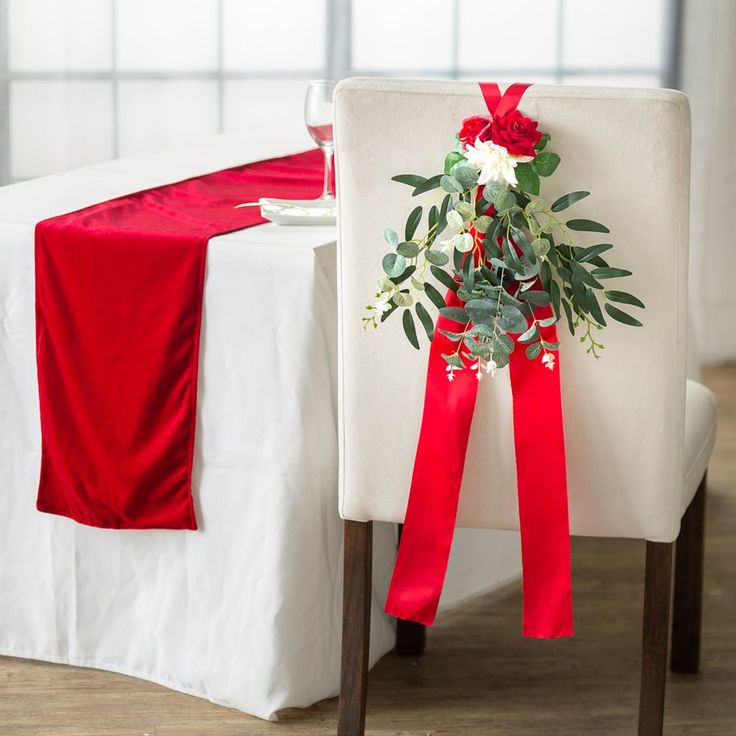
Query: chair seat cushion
x,y
700,436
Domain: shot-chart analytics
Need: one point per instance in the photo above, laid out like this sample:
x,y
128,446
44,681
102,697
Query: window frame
x,y
338,64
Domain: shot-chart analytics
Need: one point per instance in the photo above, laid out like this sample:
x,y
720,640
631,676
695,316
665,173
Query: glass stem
x,y
327,192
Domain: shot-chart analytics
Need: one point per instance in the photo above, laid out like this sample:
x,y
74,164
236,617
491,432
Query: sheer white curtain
x,y
709,78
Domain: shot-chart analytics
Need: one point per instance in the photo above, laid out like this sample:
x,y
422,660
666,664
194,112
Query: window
x,y
88,80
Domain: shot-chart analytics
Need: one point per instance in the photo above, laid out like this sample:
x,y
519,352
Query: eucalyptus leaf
x,y
586,255
504,200
589,226
454,360
409,329
554,292
512,320
432,183
610,273
623,297
621,316
566,200
483,223
413,180
408,250
412,223
468,274
402,299
394,264
425,319
391,237
404,275
546,163
584,275
444,278
542,142
456,314
530,335
434,296
438,258
537,297
528,179
444,207
481,329
466,176
465,210
480,310
533,351
594,307
568,313
504,344
452,158
450,184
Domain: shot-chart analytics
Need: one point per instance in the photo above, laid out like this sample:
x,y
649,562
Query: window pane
x,y
280,34
58,125
622,34
50,35
167,35
500,45
268,113
160,114
415,35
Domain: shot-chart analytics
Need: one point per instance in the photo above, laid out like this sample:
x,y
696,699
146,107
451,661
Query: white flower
x,y
450,373
548,359
381,305
491,368
494,162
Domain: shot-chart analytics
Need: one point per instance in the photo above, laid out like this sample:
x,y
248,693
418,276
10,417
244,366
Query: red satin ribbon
x,y
426,538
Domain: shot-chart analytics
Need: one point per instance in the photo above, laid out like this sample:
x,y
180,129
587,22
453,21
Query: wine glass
x,y
318,117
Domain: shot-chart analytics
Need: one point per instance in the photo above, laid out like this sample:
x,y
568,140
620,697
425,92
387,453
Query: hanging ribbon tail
x,y
429,524
539,444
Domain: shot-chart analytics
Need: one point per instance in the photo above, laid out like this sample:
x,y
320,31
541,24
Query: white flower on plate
x,y
494,162
548,360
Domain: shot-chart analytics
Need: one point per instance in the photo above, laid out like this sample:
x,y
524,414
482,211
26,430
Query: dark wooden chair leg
x,y
411,637
688,601
657,593
356,628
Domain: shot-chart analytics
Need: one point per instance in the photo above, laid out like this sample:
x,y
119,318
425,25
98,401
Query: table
x,y
246,611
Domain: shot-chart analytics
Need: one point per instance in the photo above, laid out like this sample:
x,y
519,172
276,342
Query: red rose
x,y
516,133
479,126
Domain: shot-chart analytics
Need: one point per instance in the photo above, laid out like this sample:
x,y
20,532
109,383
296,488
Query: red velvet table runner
x,y
119,289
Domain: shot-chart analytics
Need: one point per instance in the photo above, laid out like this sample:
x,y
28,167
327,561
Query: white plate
x,y
297,211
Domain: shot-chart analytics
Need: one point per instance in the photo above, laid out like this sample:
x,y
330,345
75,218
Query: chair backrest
x,y
624,414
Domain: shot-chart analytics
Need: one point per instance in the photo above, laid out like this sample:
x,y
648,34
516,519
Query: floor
x,y
478,676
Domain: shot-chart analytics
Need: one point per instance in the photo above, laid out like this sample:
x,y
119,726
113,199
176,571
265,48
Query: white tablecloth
x,y
246,611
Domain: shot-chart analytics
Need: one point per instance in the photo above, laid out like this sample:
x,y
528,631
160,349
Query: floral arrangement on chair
x,y
508,256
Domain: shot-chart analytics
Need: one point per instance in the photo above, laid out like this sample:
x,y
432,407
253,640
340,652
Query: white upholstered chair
x,y
638,434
